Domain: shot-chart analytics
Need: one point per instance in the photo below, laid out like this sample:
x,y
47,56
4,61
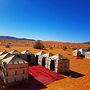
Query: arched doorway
x,y
52,65
43,61
36,59
29,59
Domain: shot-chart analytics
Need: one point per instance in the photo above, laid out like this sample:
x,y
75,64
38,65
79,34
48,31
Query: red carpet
x,y
44,75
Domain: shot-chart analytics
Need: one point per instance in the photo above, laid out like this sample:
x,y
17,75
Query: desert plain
x,y
78,65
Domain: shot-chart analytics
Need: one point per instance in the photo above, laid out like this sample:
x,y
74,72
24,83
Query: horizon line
x,y
41,39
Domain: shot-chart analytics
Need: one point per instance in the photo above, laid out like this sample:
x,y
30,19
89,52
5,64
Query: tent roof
x,y
47,54
40,53
58,57
82,49
26,52
15,52
3,52
14,60
4,56
75,50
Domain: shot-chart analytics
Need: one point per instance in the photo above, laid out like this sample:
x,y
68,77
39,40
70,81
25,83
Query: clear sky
x,y
62,20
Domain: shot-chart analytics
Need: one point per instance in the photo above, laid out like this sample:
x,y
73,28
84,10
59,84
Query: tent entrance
x,y
37,59
43,61
52,65
29,58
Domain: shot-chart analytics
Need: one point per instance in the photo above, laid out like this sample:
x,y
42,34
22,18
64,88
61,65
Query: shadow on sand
x,y
73,74
30,84
80,57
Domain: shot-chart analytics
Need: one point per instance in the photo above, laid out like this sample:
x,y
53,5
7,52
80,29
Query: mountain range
x,y
11,37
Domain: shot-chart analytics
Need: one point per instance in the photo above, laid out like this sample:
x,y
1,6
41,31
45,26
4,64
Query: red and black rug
x,y
44,75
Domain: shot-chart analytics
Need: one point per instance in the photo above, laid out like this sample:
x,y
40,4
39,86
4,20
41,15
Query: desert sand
x,y
81,66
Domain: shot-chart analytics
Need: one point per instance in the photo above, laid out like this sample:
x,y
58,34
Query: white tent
x,y
76,53
58,63
87,55
82,51
16,69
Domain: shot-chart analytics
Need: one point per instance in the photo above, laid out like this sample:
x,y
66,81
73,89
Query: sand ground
x,y
81,66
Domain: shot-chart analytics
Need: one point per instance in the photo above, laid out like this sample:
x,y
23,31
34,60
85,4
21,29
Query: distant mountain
x,y
86,42
10,37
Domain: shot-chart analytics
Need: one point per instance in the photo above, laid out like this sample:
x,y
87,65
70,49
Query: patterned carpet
x,y
44,75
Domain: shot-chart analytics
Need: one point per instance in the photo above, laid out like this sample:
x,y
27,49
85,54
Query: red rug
x,y
44,75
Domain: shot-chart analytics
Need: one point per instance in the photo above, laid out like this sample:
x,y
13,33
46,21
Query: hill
x,y
11,37
86,42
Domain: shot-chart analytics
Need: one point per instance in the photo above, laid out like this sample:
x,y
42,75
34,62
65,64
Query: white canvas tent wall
x,y
37,56
87,55
44,56
76,53
61,63
15,69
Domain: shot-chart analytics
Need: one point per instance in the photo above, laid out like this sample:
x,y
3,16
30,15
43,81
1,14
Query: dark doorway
x,y
43,62
52,65
36,59
29,59
18,56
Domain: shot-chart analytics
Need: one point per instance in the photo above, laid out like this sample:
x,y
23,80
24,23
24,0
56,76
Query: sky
x,y
58,20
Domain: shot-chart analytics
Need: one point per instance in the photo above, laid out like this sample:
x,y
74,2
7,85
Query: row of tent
x,y
56,61
51,56
5,54
15,63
